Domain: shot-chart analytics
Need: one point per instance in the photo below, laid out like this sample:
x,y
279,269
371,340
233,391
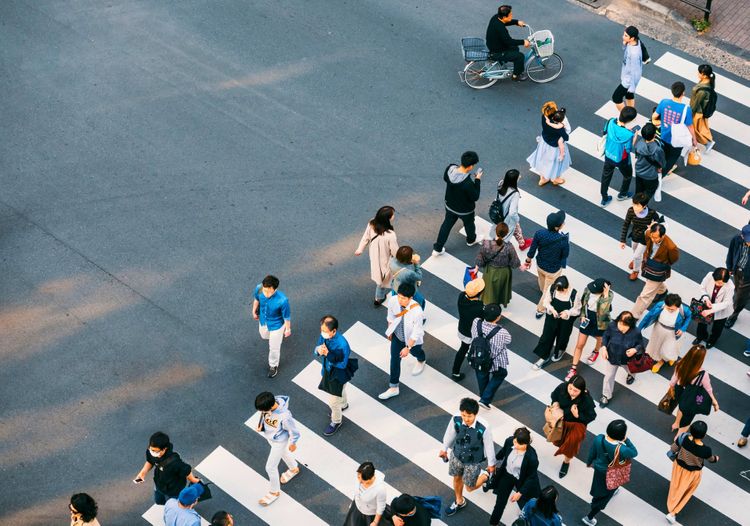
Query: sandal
x,y
558,182
269,498
288,475
542,182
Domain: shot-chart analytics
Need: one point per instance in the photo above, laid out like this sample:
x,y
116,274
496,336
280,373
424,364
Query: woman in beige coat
x,y
380,236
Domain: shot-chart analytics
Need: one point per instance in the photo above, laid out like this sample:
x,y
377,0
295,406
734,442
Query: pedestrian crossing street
x,y
723,493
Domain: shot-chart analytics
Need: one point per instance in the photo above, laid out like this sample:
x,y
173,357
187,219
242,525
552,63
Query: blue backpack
x,y
432,505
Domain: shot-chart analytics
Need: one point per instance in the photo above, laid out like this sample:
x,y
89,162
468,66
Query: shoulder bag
x,y
668,402
553,425
681,136
695,399
696,309
618,471
640,362
654,270
673,454
329,383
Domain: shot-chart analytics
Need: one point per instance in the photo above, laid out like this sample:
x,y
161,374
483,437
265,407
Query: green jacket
x,y
603,308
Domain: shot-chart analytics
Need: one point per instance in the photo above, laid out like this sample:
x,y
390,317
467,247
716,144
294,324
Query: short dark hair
x,y
641,198
220,518
658,227
627,114
504,10
403,504
159,439
264,401
558,116
367,470
617,429
407,289
673,300
469,405
678,89
720,274
271,282
698,429
522,436
626,317
86,506
469,159
648,131
404,254
331,323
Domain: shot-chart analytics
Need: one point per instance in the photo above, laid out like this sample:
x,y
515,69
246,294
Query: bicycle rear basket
x,y
545,42
474,49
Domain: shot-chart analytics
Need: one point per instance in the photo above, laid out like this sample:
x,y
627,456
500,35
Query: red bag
x,y
640,363
618,471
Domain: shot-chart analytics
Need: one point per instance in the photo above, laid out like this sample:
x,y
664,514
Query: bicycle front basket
x,y
545,42
474,49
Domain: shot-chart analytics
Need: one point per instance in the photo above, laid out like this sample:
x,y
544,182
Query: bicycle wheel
x,y
544,69
473,74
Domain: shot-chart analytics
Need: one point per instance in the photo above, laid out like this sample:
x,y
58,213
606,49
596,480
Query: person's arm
x,y
527,486
287,315
291,426
586,409
256,304
706,383
147,466
481,259
577,306
686,317
335,355
489,449
626,226
476,187
506,38
532,250
565,252
673,380
417,332
732,248
673,254
628,450
745,197
379,504
592,452
561,148
547,302
633,67
689,124
417,270
697,100
448,438
651,315
319,350
392,244
364,241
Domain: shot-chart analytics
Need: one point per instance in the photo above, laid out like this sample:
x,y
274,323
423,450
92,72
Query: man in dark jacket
x,y
551,248
502,47
406,511
660,255
461,195
738,263
171,474
518,471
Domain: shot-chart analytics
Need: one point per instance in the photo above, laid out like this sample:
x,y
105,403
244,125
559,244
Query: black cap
x,y
555,220
597,286
492,312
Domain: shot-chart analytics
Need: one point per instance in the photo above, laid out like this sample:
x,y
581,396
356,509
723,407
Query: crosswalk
x,y
721,495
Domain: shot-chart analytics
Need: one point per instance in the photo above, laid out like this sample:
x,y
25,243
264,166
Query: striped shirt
x,y
498,344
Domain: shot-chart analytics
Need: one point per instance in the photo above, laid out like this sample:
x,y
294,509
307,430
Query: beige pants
x,y
546,279
336,403
647,295
610,373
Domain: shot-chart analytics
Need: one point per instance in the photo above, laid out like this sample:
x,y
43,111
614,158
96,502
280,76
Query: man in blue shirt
x,y
668,113
335,350
271,308
180,512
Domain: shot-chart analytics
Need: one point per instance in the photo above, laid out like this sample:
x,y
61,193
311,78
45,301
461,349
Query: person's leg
x,y
288,458
647,295
565,329
650,187
380,292
274,346
598,504
701,332
640,184
741,296
495,380
418,352
630,99
545,280
580,343
483,378
610,372
607,171
671,154
638,250
396,347
746,430
458,488
518,234
626,169
503,487
518,59
335,403
458,360
471,229
618,95
159,497
272,465
445,230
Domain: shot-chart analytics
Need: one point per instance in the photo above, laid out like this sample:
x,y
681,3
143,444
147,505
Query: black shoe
x,y
457,377
378,303
273,371
630,379
697,341
709,345
557,355
520,78
564,469
730,321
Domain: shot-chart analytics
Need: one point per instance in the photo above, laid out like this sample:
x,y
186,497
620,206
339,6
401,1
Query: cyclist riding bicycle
x,y
502,47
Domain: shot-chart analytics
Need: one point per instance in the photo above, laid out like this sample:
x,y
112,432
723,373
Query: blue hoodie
x,y
278,425
338,356
619,140
683,317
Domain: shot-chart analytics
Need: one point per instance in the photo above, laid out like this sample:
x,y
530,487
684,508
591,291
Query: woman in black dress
x,y
559,302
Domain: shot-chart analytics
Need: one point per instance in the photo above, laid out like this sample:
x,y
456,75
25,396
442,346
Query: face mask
x,y
155,455
325,336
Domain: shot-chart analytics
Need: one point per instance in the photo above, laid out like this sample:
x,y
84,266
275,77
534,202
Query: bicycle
x,y
541,63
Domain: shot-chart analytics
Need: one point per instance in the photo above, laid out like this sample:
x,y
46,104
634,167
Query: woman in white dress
x,y
671,320
551,158
380,236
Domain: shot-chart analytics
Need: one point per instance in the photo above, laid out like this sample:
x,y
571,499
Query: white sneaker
x,y
671,519
587,521
436,253
478,240
418,368
390,393
538,364
709,146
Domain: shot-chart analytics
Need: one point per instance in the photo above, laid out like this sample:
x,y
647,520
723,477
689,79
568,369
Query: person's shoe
x,y
709,345
526,244
633,276
709,146
571,373
630,379
623,197
587,521
657,366
742,442
603,401
542,181
454,507
332,428
440,253
418,368
273,371
485,405
541,362
593,356
538,315
478,239
557,355
345,407
378,302
671,519
730,321
564,469
697,341
746,354
457,377
520,78
630,265
606,200
671,362
389,393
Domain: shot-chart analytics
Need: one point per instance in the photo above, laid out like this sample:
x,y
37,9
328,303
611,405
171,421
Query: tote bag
x,y
618,471
681,136
695,399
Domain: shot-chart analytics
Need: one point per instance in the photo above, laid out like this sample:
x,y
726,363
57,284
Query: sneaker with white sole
x,y
671,518
587,521
476,241
485,405
709,146
539,364
389,393
418,368
557,355
440,253
454,508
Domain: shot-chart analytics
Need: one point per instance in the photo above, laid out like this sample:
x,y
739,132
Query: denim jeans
x,y
380,292
396,347
489,383
746,430
160,498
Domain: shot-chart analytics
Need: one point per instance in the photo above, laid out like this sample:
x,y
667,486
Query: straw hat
x,y
474,287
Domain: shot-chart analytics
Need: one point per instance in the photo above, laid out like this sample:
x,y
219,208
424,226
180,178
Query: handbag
x,y
674,454
470,274
330,384
601,144
640,362
696,309
553,425
655,270
618,471
681,136
695,399
694,157
668,402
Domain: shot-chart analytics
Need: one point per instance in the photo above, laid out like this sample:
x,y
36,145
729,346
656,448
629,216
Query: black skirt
x,y
357,518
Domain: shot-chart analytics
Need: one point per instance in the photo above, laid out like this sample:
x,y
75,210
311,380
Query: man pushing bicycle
x,y
502,47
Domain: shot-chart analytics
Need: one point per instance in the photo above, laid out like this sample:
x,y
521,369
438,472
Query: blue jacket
x,y
683,317
733,254
338,356
619,140
553,248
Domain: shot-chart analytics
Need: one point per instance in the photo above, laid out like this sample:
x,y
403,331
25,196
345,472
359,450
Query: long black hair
x,y
561,283
546,504
509,181
381,223
705,69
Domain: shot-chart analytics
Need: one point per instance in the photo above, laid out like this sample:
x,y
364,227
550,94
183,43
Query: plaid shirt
x,y
498,344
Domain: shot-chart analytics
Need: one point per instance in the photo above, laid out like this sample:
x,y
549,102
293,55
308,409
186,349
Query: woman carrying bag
x,y
561,312
505,209
717,291
692,388
596,307
605,455
497,259
621,341
542,511
703,104
578,411
671,320
380,236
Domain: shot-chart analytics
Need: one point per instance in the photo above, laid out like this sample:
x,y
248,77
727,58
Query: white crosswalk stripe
x,y
724,85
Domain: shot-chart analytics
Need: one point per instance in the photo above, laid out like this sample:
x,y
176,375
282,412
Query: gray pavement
x,y
158,158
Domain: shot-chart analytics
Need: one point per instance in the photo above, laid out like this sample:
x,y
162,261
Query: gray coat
x,y
648,156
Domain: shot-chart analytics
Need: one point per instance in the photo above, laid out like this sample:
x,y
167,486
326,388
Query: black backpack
x,y
713,98
497,215
480,351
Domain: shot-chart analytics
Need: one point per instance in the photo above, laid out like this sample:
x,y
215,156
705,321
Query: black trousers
x,y
556,333
601,495
460,356
448,222
626,169
717,327
671,154
741,292
647,186
512,55
504,485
